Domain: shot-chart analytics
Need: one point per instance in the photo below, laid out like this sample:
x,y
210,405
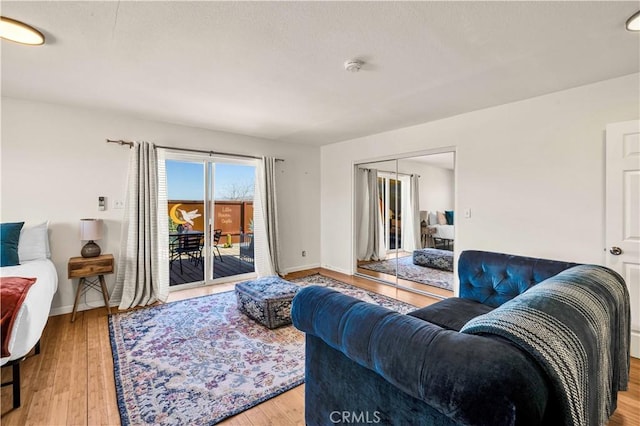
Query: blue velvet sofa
x,y
368,365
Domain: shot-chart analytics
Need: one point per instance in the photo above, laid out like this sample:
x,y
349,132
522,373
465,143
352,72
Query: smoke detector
x,y
353,65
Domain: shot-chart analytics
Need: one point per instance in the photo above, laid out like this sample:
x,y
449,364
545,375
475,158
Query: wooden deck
x,y
230,265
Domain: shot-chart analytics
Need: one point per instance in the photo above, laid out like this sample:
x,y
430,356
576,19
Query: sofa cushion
x,y
451,313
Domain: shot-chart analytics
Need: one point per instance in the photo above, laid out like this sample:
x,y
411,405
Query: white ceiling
x,y
275,69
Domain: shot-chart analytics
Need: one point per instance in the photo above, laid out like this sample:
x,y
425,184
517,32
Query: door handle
x,y
616,251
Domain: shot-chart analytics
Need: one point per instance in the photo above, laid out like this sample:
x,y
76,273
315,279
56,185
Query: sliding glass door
x,y
210,216
232,219
186,202
391,202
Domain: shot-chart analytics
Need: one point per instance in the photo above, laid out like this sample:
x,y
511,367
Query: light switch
x,y
467,213
102,203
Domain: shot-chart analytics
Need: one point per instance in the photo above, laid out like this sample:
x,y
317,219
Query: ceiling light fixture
x,y
353,65
633,23
19,32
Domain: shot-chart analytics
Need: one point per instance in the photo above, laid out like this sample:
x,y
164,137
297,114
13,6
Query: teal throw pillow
x,y
449,216
9,238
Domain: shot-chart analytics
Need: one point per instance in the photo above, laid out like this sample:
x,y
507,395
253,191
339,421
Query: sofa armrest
x,y
470,379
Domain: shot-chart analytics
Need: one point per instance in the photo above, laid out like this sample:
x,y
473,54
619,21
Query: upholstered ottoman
x,y
434,258
267,300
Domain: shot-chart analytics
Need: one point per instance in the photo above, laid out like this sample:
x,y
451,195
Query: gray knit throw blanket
x,y
577,326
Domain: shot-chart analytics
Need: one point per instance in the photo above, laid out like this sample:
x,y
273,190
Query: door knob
x,y
616,251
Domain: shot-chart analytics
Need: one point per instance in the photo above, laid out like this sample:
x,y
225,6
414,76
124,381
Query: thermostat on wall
x,y
102,203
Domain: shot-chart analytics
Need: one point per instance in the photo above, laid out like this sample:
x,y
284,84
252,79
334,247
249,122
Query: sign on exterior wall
x,y
233,217
228,216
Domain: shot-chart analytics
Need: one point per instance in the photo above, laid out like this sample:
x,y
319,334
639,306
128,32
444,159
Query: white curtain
x,y
266,246
370,244
143,265
410,213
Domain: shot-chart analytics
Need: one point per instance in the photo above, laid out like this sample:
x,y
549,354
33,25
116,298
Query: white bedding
x,y
34,312
443,231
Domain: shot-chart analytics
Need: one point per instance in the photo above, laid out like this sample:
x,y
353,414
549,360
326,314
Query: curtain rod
x,y
130,144
398,173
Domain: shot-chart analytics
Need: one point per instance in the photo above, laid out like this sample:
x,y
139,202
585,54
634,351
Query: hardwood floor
x,y
437,291
71,382
443,293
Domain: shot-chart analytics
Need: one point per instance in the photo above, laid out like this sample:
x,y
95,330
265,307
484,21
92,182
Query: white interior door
x,y
623,213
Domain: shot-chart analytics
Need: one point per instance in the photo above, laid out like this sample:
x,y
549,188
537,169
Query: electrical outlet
x,y
304,253
118,204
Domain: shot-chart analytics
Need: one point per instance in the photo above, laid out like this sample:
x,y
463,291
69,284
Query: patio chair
x,y
186,244
217,233
246,248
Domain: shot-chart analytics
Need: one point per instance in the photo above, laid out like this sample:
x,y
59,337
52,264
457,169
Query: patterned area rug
x,y
199,361
408,271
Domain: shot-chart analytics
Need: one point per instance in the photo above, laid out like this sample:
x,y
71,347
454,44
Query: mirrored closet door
x,y
377,206
405,222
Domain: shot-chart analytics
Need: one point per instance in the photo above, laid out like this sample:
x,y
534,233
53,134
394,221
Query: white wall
x,y
532,173
55,164
437,189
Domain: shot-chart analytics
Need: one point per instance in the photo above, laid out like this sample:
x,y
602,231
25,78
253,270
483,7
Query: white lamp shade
x,y
90,229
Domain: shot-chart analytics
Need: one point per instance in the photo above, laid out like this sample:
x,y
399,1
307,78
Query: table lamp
x,y
90,230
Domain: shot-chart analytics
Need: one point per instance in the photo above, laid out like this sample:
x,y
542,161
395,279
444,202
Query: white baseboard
x,y
61,310
300,268
334,269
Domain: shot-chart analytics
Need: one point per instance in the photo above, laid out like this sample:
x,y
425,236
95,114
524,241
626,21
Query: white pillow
x,y
34,243
433,218
442,219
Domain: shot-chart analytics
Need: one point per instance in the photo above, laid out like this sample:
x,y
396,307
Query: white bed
x,y
33,255
446,232
34,312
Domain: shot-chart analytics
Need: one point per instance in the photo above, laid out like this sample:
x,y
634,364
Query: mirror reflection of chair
x,y
217,233
186,244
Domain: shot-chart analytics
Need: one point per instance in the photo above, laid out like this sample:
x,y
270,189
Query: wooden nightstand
x,y
84,267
